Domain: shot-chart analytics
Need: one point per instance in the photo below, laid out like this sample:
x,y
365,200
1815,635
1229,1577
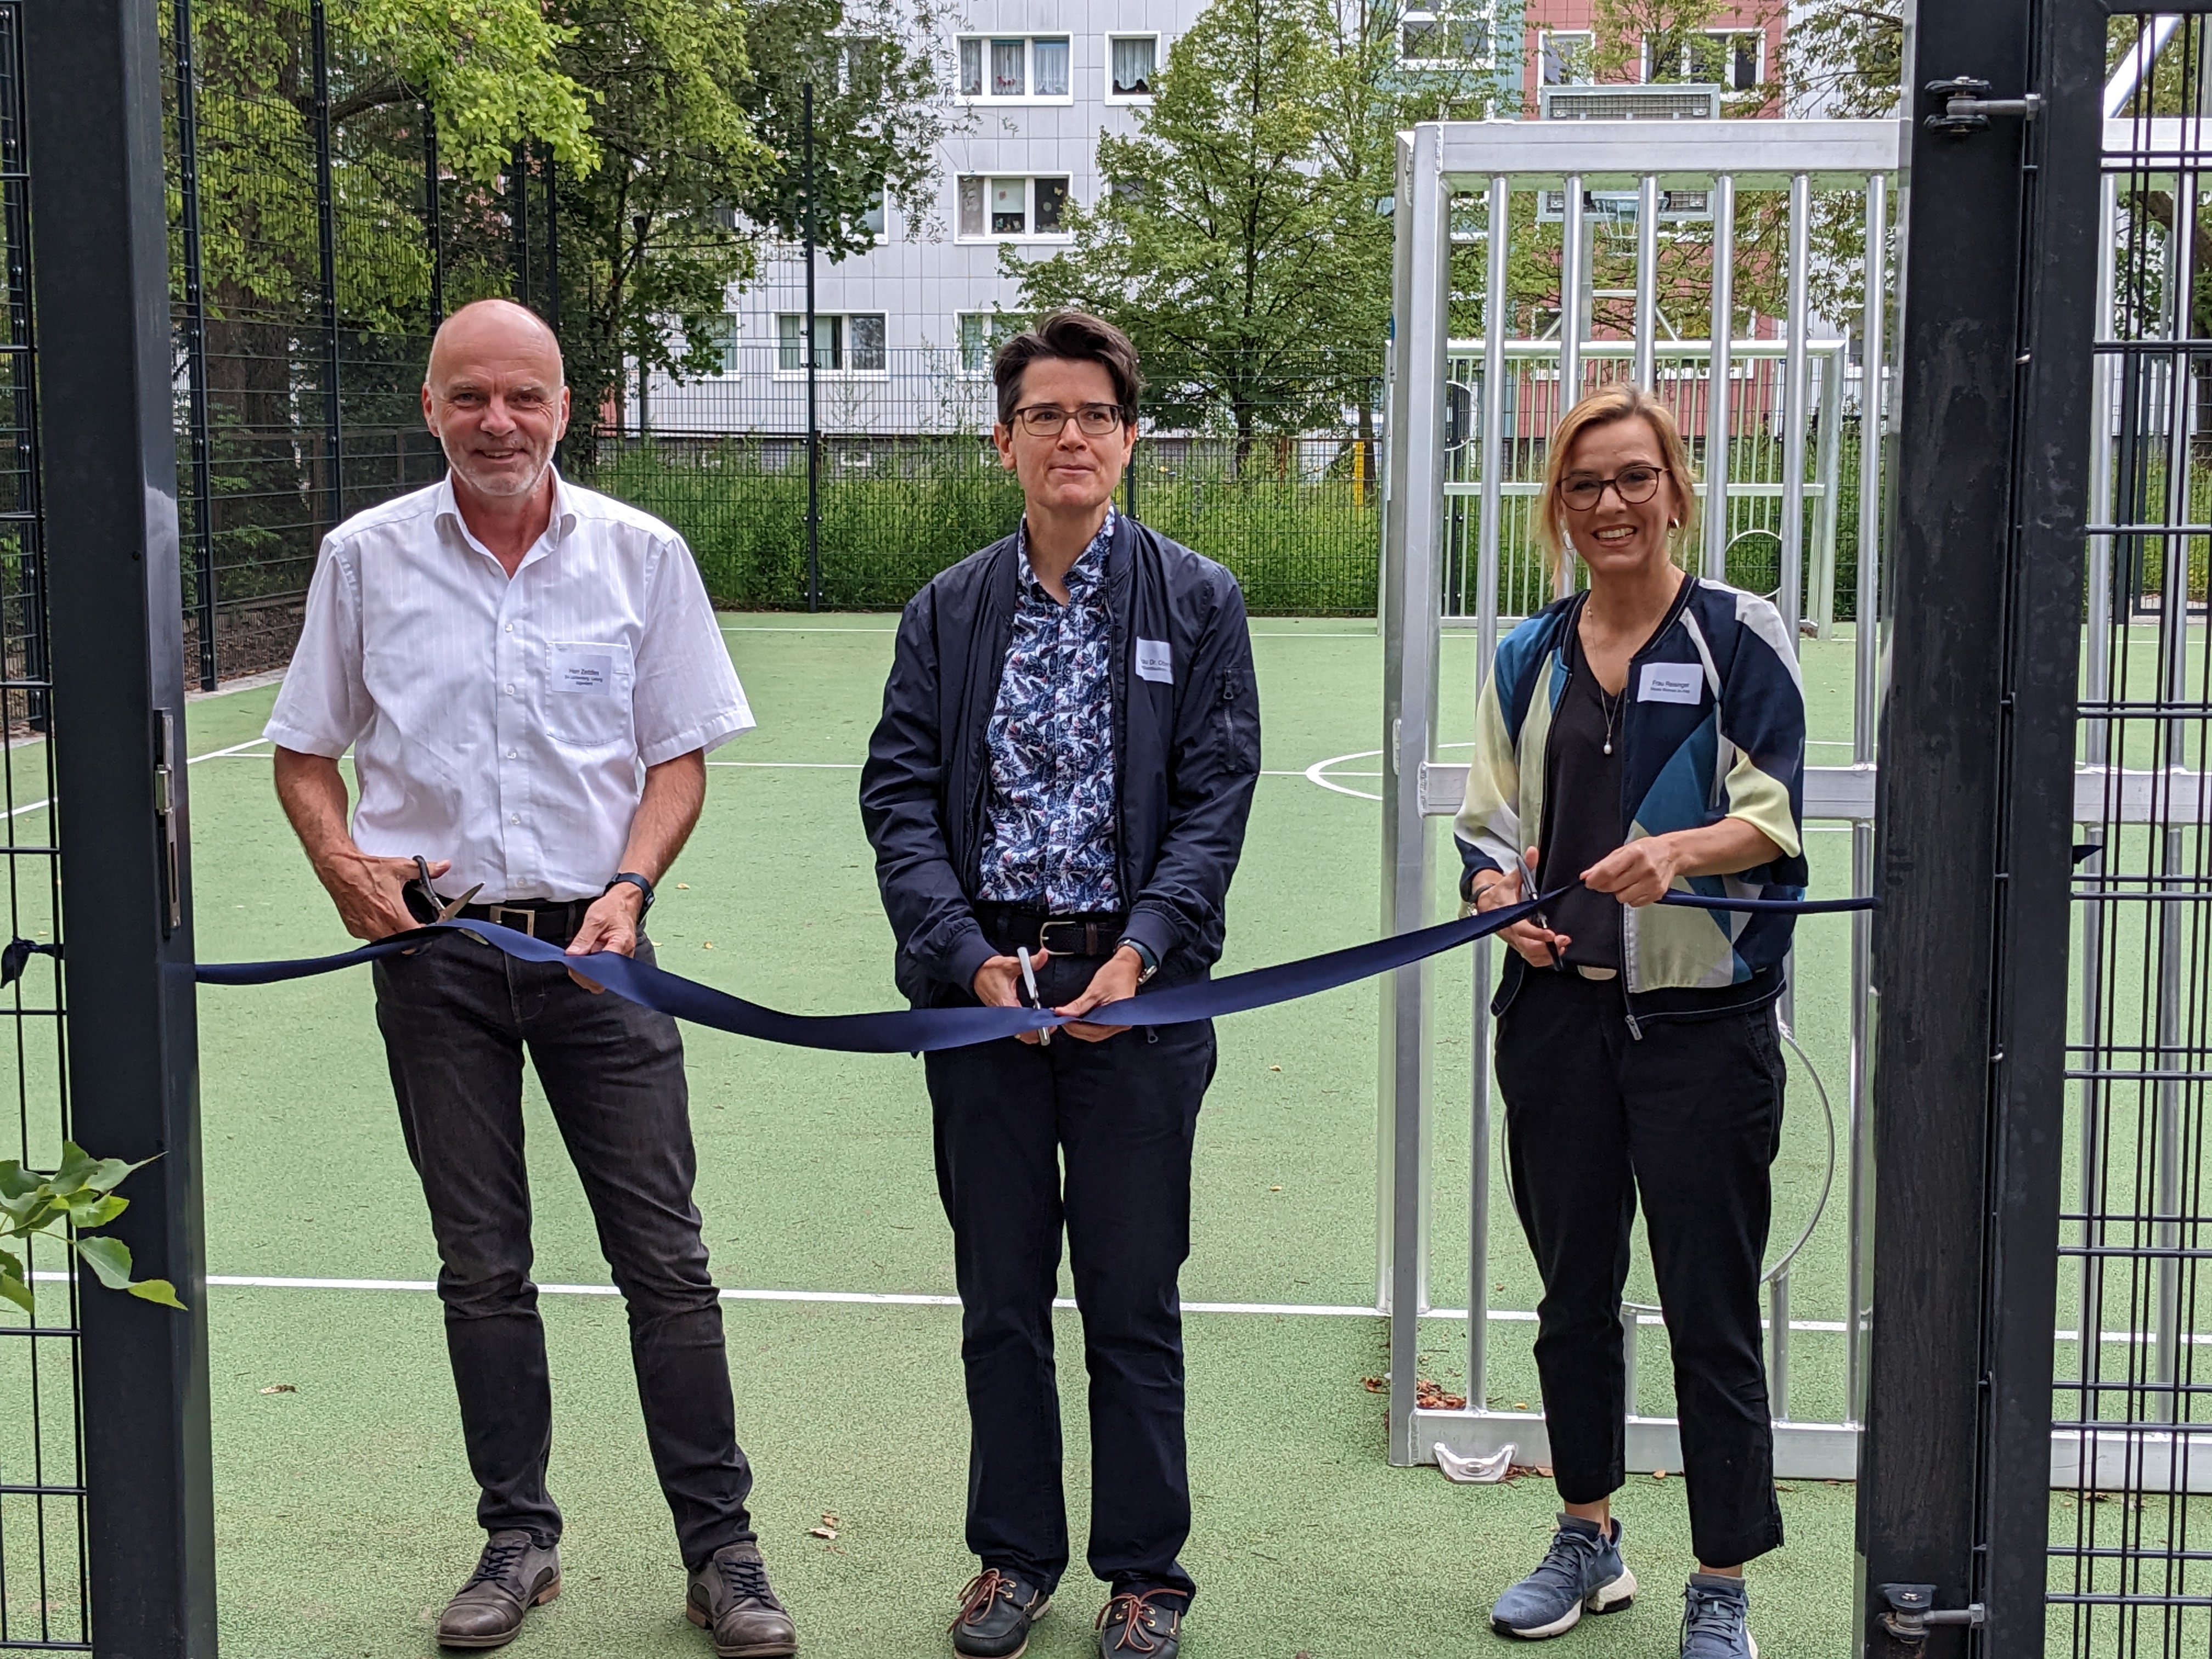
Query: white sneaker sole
x,y
1606,1598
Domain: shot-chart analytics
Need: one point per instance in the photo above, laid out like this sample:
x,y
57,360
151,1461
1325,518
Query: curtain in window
x,y
790,341
975,349
1049,62
1006,68
1009,207
971,68
971,206
1134,66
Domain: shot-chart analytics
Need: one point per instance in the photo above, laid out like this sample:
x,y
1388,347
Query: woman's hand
x,y
1638,873
1538,945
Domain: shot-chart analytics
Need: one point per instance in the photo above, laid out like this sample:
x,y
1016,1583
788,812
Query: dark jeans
x,y
455,1018
1691,1117
1122,1114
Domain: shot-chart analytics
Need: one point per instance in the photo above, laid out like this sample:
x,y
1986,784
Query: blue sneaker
x,y
1714,1611
1583,1569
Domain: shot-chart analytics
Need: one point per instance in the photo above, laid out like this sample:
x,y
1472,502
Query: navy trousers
x,y
1121,1115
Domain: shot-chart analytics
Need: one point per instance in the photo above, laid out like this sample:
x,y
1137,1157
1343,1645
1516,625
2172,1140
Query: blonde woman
x,y
1645,734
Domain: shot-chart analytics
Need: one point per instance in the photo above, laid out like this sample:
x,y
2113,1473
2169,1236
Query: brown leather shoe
x,y
513,1576
731,1601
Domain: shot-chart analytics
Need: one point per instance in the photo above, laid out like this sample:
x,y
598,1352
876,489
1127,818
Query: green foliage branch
x,y
71,1204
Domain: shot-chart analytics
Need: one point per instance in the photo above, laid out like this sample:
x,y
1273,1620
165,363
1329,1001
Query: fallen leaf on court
x,y
1375,1384
1274,1189
683,886
280,1388
1541,1471
1778,1487
826,1534
1430,1397
1520,1405
1658,1474
708,945
1274,1068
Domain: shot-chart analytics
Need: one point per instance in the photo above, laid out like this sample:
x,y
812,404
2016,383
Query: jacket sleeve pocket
x,y
1237,719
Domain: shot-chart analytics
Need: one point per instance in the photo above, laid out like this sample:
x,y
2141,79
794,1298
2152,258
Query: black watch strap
x,y
634,881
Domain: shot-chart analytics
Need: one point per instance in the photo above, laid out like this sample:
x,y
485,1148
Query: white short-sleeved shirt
x,y
506,724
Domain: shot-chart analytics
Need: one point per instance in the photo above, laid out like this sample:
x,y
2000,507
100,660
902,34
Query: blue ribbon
x,y
916,1030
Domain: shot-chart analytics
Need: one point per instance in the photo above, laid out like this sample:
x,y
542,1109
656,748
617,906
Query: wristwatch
x,y
1147,963
634,881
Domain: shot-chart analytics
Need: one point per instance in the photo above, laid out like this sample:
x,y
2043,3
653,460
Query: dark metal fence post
x,y
100,276
326,232
518,202
813,425
195,297
433,216
553,253
15,204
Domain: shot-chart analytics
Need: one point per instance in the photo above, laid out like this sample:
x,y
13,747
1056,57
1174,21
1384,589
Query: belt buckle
x,y
497,915
1090,933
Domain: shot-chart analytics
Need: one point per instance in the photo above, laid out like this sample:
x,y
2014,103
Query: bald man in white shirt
x,y
530,677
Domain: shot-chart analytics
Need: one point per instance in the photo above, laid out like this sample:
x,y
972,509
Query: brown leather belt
x,y
1092,934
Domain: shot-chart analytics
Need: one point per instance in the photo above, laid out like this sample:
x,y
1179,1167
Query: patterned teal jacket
x,y
1713,728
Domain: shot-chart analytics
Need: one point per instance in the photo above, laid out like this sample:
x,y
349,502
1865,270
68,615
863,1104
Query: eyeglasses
x,y
1050,420
1635,485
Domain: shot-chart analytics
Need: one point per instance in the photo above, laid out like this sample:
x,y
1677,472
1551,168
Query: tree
x,y
1244,242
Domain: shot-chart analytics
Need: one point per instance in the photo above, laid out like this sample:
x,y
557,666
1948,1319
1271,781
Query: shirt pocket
x,y
588,692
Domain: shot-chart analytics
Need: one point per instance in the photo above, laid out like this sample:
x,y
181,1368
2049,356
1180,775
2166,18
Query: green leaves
x,y
69,1204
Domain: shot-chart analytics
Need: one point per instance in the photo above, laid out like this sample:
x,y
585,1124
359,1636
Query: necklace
x,y
1611,706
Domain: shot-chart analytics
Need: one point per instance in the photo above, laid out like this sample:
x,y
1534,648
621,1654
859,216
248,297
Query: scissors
x,y
1029,978
447,908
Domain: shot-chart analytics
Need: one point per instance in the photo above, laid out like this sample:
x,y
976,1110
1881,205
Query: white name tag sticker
x,y
1671,682
1155,662
591,673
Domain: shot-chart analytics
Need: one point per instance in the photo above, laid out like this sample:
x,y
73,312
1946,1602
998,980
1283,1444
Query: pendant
x,y
1609,745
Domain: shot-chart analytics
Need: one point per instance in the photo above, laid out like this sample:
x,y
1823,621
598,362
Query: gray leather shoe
x,y
730,1599
513,1576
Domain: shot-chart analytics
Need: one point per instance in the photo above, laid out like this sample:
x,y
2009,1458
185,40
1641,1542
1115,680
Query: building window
x,y
725,333
850,344
1133,67
856,65
1728,58
994,210
1426,40
873,220
981,334
1014,69
1565,57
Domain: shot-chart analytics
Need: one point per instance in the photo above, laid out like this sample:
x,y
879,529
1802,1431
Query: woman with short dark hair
x,y
1647,733
1057,794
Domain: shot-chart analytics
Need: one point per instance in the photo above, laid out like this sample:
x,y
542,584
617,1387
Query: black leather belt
x,y
1091,933
546,919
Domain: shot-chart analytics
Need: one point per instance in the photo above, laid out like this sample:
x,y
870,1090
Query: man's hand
x,y
1540,946
609,924
1115,979
1638,873
370,892
997,984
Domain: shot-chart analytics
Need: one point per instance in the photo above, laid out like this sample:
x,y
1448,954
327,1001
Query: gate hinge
x,y
1912,1611
1967,105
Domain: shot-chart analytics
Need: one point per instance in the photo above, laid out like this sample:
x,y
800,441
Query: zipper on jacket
x,y
1634,1030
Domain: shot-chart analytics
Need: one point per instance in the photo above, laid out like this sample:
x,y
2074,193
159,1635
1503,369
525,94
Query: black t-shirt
x,y
1582,810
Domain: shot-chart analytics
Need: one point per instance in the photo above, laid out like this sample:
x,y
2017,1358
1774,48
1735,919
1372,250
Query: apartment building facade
x,y
903,330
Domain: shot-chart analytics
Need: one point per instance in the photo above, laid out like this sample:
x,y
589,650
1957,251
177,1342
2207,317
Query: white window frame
x,y
1028,69
982,371
1029,209
1584,41
1684,70
845,320
883,232
1447,12
733,331
1160,63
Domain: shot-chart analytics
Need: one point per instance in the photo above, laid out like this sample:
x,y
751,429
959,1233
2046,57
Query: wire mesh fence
x,y
43,1598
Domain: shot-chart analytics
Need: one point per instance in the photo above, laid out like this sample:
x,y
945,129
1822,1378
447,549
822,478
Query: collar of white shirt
x,y
560,526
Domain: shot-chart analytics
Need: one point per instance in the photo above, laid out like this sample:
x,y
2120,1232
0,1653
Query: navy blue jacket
x,y
1186,756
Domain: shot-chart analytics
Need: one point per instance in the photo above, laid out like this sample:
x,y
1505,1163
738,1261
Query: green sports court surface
x,y
344,1508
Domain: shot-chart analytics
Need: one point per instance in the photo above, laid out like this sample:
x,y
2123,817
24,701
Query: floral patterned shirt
x,y
1052,839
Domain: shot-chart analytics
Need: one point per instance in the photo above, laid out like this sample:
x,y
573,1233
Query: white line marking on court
x,y
794,766
1314,773
900,1299
193,760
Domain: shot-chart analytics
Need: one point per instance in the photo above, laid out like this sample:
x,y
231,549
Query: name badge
x,y
591,674
1155,662
1671,682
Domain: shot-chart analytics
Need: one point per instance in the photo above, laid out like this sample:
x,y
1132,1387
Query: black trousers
x,y
456,1018
1691,1117
1122,1114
